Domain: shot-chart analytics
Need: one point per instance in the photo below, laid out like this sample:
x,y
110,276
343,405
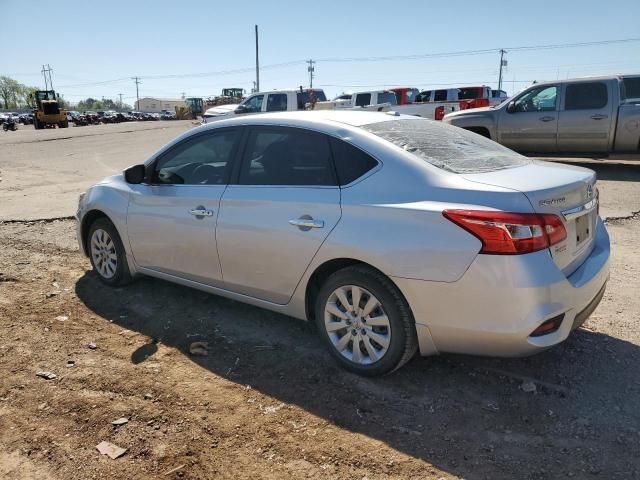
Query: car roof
x,y
349,117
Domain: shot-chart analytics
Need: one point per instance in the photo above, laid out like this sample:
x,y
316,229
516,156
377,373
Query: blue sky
x,y
111,41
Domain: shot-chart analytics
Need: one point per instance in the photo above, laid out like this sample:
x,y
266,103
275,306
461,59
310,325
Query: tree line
x,y
15,95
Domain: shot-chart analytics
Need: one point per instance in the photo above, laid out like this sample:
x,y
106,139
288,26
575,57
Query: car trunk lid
x,y
566,191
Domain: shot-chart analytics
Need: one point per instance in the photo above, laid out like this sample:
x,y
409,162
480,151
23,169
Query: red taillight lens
x,y
506,233
439,113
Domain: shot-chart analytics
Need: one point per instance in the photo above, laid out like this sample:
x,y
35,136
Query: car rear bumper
x,y
500,300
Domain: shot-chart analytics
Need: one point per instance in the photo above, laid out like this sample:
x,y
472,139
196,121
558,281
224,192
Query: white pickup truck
x,y
273,101
395,99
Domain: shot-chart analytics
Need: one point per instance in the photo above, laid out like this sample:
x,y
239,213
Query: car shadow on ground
x,y
469,416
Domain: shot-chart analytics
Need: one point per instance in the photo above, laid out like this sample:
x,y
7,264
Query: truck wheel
x,y
64,124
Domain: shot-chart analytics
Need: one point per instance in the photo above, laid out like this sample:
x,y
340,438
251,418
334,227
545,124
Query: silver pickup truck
x,y
594,115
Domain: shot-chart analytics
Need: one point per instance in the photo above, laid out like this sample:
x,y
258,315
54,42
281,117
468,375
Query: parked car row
x,y
90,117
432,104
24,118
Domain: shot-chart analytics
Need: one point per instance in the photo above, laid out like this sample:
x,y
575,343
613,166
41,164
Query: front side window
x,y
363,99
541,99
586,96
202,160
254,104
286,156
277,102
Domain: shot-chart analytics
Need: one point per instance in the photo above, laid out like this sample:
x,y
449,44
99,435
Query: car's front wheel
x,y
365,321
107,253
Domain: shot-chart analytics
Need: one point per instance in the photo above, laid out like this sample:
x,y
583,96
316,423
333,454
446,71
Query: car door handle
x,y
547,119
201,212
306,223
599,116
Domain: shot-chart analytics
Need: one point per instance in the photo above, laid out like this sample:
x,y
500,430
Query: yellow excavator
x,y
47,111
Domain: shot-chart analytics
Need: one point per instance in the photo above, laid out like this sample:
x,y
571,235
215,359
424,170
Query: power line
x,y
366,59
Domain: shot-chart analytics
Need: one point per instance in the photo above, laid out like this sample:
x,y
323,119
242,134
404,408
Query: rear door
x,y
281,208
585,120
532,124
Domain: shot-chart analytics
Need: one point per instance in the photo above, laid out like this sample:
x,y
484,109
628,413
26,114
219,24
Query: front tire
x,y
107,254
365,321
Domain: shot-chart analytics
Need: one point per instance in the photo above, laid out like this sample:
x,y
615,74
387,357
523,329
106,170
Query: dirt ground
x,y
268,401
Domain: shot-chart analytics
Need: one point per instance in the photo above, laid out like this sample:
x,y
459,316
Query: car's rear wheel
x,y
107,253
365,321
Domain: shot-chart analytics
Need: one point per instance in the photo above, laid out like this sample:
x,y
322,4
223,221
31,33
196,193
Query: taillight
x,y
506,233
439,113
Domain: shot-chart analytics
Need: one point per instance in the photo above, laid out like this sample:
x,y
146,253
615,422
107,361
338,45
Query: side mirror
x,y
241,109
135,174
511,108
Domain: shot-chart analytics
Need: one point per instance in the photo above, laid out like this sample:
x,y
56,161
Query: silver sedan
x,y
392,233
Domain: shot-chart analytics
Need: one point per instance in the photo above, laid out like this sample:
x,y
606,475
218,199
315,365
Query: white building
x,y
156,105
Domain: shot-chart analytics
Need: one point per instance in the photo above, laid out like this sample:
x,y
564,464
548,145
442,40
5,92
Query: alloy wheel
x,y
357,324
103,253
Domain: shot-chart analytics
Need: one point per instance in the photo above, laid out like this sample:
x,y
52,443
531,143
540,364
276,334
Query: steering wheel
x,y
207,174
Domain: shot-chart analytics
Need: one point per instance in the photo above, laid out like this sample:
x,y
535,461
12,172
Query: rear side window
x,y
424,96
387,97
310,96
469,93
286,156
351,162
631,87
582,96
277,102
447,147
363,99
440,96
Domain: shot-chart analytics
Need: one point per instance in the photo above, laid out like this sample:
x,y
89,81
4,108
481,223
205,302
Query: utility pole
x,y
48,85
137,80
311,69
120,100
503,63
257,63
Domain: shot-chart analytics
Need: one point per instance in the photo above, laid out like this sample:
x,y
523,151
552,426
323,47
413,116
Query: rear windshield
x,y
447,147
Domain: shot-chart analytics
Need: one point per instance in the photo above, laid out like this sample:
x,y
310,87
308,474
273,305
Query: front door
x,y
585,120
531,125
171,219
275,217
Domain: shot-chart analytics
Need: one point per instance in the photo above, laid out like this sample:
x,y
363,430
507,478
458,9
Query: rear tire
x,y
64,124
380,336
107,253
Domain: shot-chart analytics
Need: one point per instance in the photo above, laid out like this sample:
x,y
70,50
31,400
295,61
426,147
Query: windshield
x,y
447,147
